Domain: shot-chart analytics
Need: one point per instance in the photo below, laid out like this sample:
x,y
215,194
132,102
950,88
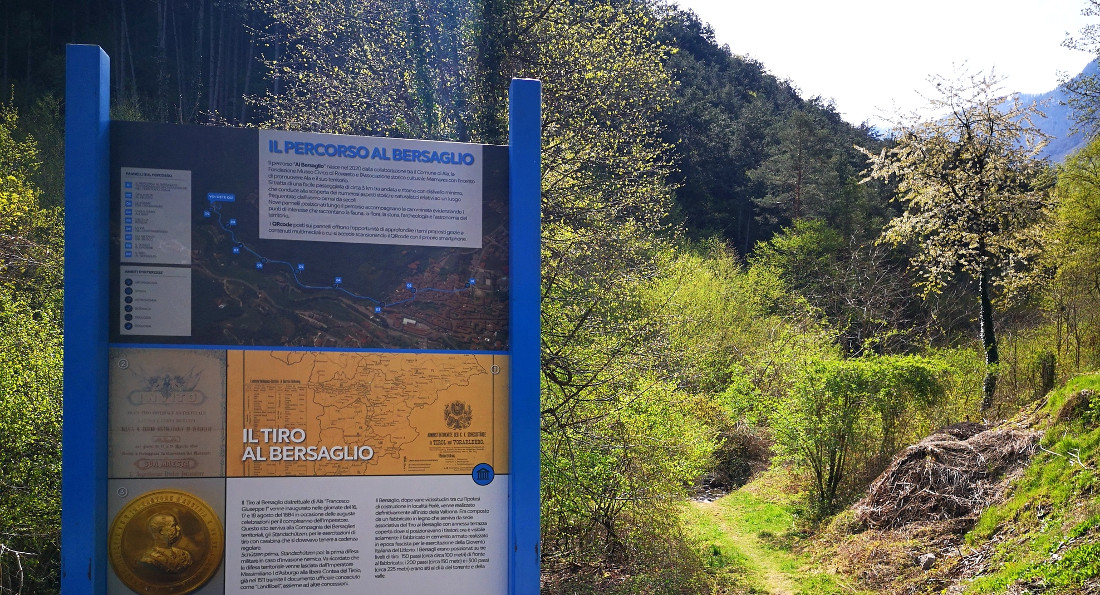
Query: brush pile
x,y
952,474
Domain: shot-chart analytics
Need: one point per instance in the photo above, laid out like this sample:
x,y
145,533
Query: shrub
x,y
844,418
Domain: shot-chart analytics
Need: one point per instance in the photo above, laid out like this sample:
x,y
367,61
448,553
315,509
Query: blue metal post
x,y
525,188
84,433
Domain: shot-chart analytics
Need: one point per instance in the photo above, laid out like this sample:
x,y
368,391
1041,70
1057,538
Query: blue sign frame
x,y
84,434
525,190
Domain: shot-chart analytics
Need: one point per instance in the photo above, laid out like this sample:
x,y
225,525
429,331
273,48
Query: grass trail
x,y
748,535
768,570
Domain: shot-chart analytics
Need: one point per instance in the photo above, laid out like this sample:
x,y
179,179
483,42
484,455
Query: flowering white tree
x,y
974,191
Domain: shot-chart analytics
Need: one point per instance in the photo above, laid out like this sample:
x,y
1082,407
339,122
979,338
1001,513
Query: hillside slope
x,y
1041,534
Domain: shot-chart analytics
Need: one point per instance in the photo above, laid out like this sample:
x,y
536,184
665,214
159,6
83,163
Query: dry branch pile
x,y
951,474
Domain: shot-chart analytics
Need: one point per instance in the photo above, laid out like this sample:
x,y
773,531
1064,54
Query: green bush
x,y
844,419
612,477
30,447
30,370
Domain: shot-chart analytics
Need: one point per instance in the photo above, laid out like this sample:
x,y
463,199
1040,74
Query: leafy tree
x,y
608,402
30,371
844,418
722,320
604,203
974,194
30,445
1073,256
862,288
497,44
723,106
735,336
30,241
750,154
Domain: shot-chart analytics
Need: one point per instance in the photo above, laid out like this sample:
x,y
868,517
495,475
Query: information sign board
x,y
310,366
312,342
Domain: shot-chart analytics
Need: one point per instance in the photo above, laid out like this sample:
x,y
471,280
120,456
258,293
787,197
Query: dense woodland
x,y
734,278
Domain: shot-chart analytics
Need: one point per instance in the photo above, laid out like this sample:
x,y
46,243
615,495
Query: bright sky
x,y
873,56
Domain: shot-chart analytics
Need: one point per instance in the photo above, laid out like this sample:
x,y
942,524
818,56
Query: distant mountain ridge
x,y
1059,119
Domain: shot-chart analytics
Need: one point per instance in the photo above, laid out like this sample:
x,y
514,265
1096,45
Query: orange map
x,y
307,413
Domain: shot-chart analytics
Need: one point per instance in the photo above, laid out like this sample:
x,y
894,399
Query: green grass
x,y
717,548
749,540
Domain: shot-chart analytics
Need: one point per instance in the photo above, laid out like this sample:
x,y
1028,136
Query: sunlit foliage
x,y
1073,260
845,418
30,370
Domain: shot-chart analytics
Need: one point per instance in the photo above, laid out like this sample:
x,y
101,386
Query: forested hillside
x,y
1057,119
752,156
736,283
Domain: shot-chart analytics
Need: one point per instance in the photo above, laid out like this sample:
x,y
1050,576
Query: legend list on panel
x,y
156,238
155,301
156,216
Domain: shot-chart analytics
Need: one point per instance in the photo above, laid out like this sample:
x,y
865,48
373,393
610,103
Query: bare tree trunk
x,y
218,106
278,55
1076,328
162,107
989,340
455,94
127,58
50,31
121,69
7,36
494,45
248,76
195,97
232,89
30,53
210,66
800,171
181,84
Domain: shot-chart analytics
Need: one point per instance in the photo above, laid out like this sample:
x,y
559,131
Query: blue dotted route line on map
x,y
262,261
